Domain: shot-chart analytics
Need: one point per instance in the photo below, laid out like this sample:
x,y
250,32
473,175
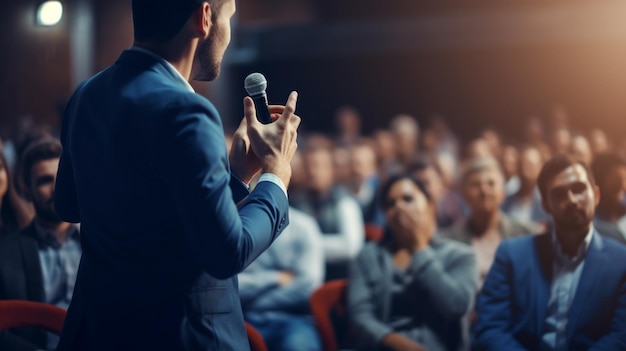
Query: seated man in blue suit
x,y
166,220
563,290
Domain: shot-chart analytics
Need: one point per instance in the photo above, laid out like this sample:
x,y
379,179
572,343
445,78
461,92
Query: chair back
x,y
18,314
329,312
255,339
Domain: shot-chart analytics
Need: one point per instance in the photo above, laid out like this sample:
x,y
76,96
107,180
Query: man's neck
x,y
481,223
179,55
59,229
569,240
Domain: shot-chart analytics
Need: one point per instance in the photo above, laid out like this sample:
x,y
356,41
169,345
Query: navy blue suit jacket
x,y
512,305
145,171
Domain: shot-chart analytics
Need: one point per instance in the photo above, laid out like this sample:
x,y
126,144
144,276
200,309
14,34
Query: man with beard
x,y
167,220
562,290
40,262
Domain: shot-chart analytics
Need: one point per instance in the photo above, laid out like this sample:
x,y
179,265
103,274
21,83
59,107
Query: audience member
x,y
509,160
561,141
562,290
14,214
494,141
609,171
449,205
478,148
447,142
40,262
412,290
348,124
275,289
525,204
406,134
581,149
486,226
335,210
599,141
385,151
364,180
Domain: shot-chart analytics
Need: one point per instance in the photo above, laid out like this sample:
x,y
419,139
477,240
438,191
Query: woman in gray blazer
x,y
412,290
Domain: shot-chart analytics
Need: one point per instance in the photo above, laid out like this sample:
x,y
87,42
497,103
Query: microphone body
x,y
255,84
260,105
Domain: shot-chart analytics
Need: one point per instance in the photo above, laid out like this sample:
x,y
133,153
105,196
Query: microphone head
x,y
255,84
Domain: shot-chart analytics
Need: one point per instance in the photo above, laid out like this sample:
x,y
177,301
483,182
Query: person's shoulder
x,y
612,245
450,246
520,245
11,241
370,251
515,227
301,221
457,232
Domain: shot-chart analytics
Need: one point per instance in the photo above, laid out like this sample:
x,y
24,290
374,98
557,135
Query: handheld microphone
x,y
255,84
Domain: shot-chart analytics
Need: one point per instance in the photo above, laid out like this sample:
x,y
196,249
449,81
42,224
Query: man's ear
x,y
203,20
596,193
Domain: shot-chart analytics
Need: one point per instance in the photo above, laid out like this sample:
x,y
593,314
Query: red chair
x,y
255,339
329,311
18,313
373,232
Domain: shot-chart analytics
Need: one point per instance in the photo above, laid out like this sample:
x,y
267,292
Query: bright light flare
x,y
49,13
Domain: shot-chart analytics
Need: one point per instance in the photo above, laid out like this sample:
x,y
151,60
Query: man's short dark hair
x,y
161,20
39,150
556,165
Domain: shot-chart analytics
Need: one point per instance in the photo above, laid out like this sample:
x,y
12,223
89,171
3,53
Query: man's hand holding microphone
x,y
265,147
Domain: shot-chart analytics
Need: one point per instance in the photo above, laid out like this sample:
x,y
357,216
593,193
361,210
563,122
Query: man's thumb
x,y
249,111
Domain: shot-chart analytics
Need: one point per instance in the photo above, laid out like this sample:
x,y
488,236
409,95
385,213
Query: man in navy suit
x,y
166,220
563,290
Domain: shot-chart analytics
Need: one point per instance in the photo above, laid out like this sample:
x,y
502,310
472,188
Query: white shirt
x,y
566,272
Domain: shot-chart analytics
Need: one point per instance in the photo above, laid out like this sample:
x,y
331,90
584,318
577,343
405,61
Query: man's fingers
x,y
249,111
290,106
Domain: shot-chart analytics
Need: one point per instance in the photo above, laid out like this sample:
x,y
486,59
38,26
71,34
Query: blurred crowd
x,y
360,205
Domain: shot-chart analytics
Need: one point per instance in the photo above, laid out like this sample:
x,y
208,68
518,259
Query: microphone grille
x,y
255,83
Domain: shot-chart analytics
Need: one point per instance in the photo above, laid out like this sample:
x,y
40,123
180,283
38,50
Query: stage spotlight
x,y
49,13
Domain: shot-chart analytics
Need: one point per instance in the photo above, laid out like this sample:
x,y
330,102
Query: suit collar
x,y
29,247
594,266
146,59
545,258
45,237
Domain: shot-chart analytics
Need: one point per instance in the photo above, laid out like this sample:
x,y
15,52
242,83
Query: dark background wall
x,y
483,64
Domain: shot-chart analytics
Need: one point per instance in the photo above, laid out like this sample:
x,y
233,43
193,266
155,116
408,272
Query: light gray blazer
x,y
445,281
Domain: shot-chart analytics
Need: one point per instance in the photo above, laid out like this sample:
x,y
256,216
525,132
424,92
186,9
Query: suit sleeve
x,y
220,237
494,307
65,197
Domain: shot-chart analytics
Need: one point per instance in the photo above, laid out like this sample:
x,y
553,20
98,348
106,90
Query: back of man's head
x,y
39,150
161,20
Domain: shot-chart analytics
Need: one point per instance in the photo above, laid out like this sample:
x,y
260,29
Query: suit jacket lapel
x,y
545,257
32,265
594,261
